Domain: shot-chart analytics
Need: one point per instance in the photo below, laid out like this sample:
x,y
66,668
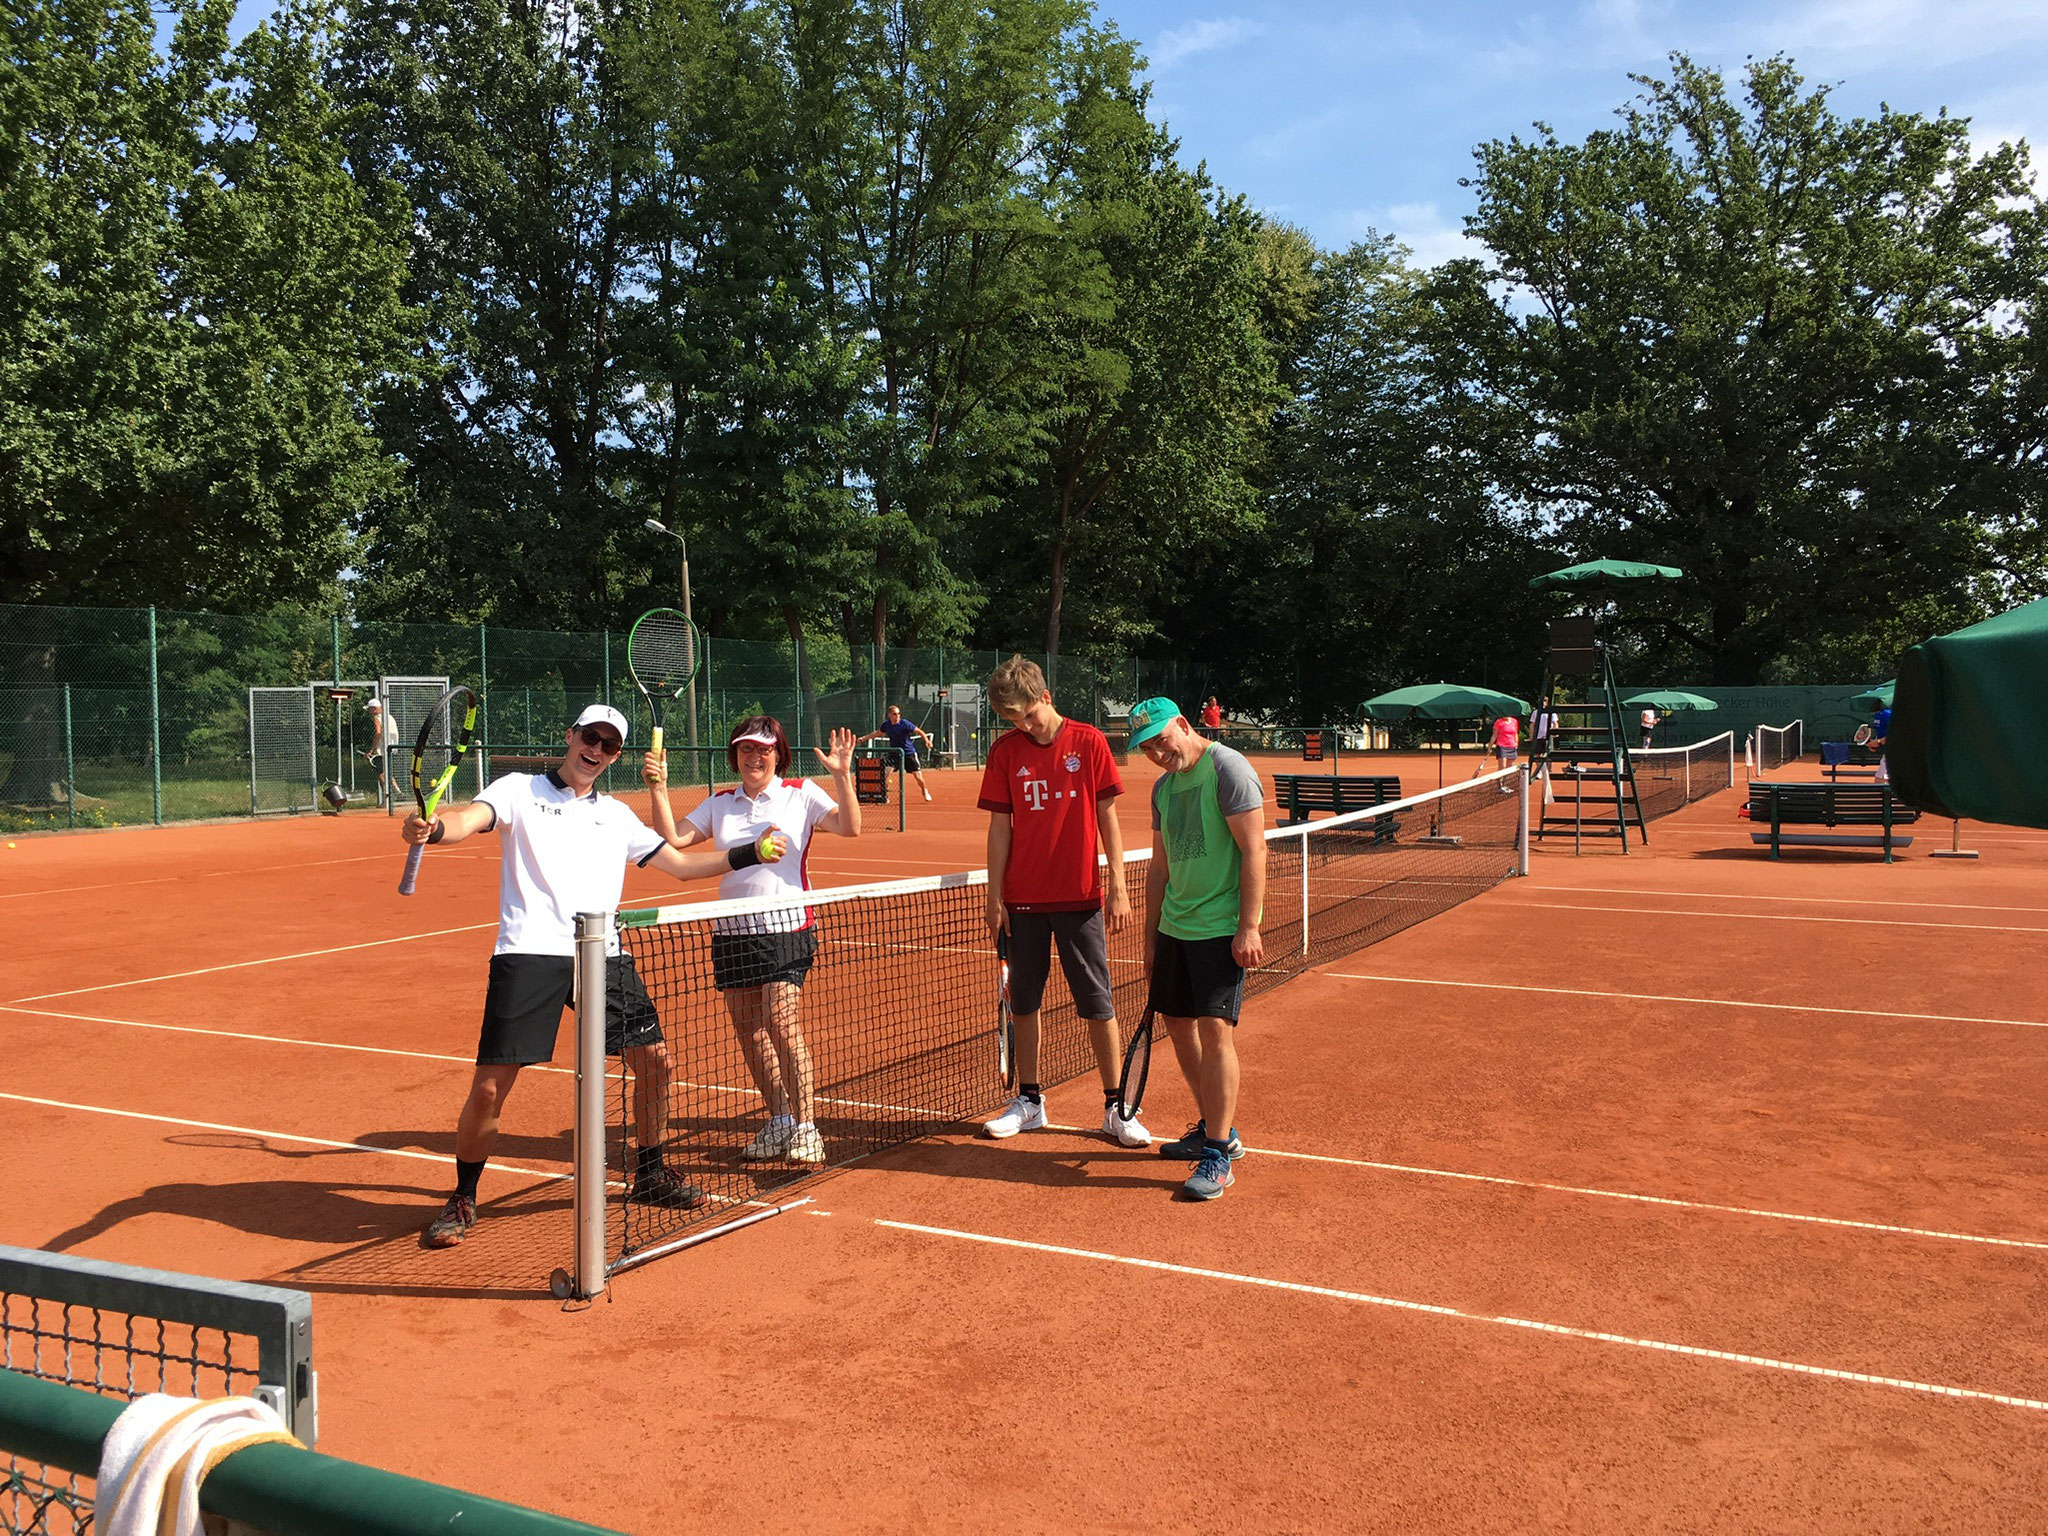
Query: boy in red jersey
x,y
1050,789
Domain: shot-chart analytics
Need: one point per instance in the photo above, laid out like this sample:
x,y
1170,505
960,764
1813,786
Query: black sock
x,y
1032,1092
646,1162
1109,1096
466,1175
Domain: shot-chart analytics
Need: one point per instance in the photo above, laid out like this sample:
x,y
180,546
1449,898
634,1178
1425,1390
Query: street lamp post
x,y
655,525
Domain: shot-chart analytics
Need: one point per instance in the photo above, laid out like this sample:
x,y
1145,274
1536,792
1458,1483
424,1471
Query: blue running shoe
x,y
1189,1147
1211,1177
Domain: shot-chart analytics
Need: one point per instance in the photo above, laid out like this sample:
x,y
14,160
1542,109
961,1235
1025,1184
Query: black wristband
x,y
746,856
440,831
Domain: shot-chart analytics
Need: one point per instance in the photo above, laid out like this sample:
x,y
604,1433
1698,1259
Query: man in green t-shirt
x,y
1208,886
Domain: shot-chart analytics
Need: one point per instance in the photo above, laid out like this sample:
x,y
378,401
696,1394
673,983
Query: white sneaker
x,y
772,1140
1022,1115
1127,1133
806,1145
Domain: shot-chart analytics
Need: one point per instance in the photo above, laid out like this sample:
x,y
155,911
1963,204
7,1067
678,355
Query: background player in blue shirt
x,y
903,736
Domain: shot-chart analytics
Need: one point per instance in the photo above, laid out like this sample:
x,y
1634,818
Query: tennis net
x,y
894,1026
1777,745
1671,778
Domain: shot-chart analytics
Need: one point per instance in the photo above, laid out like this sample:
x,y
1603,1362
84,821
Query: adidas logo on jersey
x,y
1023,773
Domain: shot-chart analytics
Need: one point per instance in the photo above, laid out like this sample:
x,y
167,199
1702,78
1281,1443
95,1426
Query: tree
x,y
1154,394
195,301
1385,556
1789,353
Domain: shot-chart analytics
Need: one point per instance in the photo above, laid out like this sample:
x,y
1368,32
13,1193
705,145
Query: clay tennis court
x,y
1681,1190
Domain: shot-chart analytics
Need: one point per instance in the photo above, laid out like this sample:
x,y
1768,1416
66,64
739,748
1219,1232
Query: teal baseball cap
x,y
1151,717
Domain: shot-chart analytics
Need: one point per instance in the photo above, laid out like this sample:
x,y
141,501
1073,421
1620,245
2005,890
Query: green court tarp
x,y
1969,733
1879,697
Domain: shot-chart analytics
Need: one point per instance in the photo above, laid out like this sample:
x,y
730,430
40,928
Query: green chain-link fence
x,y
113,716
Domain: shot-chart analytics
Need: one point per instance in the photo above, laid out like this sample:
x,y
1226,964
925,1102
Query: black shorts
x,y
1196,979
523,1008
911,764
1083,944
743,960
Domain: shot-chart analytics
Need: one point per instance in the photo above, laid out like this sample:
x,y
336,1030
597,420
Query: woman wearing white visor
x,y
759,959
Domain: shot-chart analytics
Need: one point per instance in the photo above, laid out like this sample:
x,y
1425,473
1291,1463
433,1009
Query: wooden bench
x,y
1828,805
1302,793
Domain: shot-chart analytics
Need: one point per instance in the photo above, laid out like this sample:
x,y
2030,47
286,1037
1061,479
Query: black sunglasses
x,y
604,741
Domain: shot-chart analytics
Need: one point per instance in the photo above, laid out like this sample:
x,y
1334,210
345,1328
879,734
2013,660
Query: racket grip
x,y
410,878
654,741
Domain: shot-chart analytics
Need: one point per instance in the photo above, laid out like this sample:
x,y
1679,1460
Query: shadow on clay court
x,y
1049,1166
294,1210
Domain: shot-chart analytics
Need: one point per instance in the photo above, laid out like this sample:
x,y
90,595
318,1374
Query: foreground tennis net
x,y
1671,778
896,1019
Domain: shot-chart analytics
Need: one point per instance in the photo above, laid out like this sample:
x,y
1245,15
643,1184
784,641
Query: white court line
x,y
1775,917
238,1034
207,874
1588,1191
1704,1002
1760,1213
613,1073
311,1141
1832,901
1434,1309
242,965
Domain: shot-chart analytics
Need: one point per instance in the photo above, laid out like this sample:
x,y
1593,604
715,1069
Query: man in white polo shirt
x,y
565,852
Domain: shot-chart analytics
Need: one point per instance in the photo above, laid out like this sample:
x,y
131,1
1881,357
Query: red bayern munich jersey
x,y
1050,793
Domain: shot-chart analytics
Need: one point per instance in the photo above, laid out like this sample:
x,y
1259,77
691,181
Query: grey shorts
x,y
1083,944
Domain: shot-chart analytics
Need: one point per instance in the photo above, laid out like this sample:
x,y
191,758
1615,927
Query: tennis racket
x,y
1865,735
447,731
1130,1087
1006,1026
662,654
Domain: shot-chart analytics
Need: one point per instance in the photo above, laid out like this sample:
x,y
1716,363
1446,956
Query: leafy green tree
x,y
1793,354
195,301
1385,557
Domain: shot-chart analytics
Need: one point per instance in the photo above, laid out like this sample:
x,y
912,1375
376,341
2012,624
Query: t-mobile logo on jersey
x,y
1034,791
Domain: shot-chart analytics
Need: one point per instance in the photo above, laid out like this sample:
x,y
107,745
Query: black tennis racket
x,y
1130,1087
1865,735
662,654
1006,1024
441,745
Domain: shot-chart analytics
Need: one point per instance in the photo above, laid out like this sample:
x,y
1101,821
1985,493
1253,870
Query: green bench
x,y
1782,805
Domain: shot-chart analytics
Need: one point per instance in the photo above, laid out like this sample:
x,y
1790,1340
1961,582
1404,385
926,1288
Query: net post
x,y
70,765
156,728
588,1274
1522,821
1304,890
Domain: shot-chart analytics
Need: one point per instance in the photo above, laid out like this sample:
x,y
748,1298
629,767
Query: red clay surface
x,y
1677,1191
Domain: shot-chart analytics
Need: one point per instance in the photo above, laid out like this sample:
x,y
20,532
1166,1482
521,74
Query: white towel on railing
x,y
159,1451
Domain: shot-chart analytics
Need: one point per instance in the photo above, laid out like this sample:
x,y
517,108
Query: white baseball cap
x,y
373,702
602,714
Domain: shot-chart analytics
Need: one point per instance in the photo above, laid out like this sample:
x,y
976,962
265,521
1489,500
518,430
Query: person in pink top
x,y
1507,743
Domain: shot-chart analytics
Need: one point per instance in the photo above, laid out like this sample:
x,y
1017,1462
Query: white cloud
x,y
1201,37
1431,238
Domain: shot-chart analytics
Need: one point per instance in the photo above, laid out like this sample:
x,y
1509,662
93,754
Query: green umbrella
x,y
1970,721
1879,697
1443,701
1669,700
1600,574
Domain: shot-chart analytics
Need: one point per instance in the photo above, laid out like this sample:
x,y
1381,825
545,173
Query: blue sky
x,y
1347,117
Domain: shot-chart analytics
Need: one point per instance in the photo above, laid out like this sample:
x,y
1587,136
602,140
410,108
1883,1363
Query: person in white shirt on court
x,y
565,852
760,960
